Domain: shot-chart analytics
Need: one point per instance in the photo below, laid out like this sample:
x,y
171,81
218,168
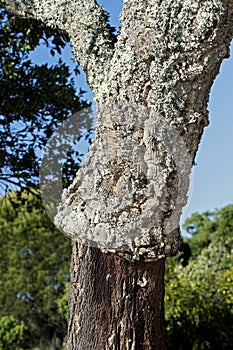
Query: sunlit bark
x,y
151,88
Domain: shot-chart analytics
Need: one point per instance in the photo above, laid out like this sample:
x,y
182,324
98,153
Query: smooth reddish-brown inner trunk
x,y
115,304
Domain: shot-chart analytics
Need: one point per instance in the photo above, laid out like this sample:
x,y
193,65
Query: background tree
x,y
35,100
34,263
199,296
203,227
153,81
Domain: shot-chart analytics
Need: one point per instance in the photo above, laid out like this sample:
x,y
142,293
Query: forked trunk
x,y
151,85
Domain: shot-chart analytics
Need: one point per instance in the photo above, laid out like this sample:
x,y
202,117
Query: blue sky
x,y
212,178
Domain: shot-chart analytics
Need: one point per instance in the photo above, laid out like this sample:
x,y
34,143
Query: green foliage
x,y
63,302
203,227
35,99
34,262
226,287
224,221
13,334
199,296
203,224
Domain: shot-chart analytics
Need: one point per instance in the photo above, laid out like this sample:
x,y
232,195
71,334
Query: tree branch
x,y
85,22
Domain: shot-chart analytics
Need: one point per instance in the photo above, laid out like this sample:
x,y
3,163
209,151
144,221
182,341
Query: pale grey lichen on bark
x,y
121,195
163,61
152,89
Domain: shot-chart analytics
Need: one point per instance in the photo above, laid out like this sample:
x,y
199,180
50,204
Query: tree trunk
x,y
115,304
151,85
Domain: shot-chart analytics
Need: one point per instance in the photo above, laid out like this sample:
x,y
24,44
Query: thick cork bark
x,y
151,86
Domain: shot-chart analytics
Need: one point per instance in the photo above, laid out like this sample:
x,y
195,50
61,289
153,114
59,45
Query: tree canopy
x,y
34,262
199,296
35,99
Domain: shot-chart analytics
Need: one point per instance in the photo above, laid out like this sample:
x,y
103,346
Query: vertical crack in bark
x,y
126,303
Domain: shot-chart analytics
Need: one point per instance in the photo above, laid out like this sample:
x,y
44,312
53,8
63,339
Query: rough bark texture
x,y
151,87
115,304
129,194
